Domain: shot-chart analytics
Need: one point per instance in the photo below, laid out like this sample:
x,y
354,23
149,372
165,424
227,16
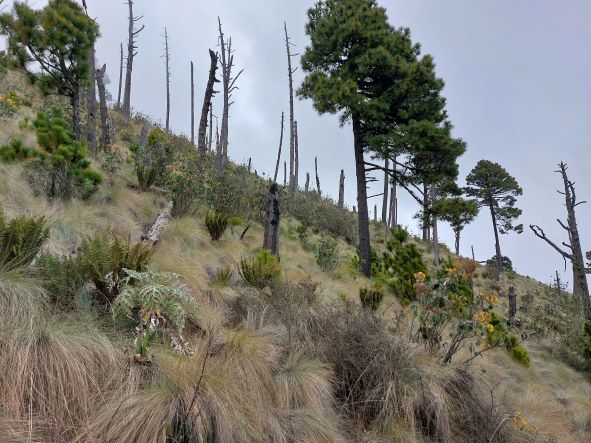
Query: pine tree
x,y
56,39
494,188
458,212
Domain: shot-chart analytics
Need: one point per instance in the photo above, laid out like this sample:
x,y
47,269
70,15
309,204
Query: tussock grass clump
x,y
223,276
371,297
55,372
216,223
261,270
22,299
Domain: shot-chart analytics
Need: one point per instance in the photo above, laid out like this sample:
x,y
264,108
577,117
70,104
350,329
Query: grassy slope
x,y
552,396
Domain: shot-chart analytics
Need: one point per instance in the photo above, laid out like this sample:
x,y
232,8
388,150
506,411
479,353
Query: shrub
x,y
151,158
20,240
216,224
102,260
302,231
16,151
261,270
520,354
326,254
153,300
371,297
9,104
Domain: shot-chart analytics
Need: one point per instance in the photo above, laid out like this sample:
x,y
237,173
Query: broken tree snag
x,y
153,235
573,251
192,105
296,181
91,105
210,138
279,151
271,236
512,305
167,60
307,188
292,140
375,213
342,190
249,163
120,78
131,53
105,128
284,173
207,106
317,178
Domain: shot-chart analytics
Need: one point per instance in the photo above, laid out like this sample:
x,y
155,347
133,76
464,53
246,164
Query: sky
x,y
518,89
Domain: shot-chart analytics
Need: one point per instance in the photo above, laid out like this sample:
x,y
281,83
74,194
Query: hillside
x,y
267,364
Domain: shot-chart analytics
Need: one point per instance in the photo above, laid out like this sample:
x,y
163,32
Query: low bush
x,y
151,157
327,254
261,270
371,297
216,224
61,278
17,151
21,240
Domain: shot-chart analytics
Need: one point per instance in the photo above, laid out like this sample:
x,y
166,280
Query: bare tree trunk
x,y
249,163
317,178
512,305
290,72
363,216
498,255
284,173
386,187
457,244
131,53
436,252
279,151
307,188
153,235
192,105
271,235
425,221
75,103
296,181
342,190
167,58
210,139
105,129
207,105
91,105
120,78
375,213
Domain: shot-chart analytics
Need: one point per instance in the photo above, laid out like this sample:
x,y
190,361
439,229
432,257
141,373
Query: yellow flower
x,y
519,420
482,317
419,276
492,299
490,328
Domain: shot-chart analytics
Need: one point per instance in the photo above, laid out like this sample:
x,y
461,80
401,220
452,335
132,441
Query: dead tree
x,y
292,137
120,77
271,236
192,105
375,213
131,53
207,106
296,182
317,178
105,129
91,105
386,187
307,188
167,61
209,140
279,151
573,251
249,163
152,236
284,173
512,305
342,190
227,62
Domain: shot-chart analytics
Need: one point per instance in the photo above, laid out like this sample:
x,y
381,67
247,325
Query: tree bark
x,y
120,78
131,53
207,106
342,190
167,59
498,256
279,151
271,235
192,105
317,178
91,105
105,129
363,216
386,187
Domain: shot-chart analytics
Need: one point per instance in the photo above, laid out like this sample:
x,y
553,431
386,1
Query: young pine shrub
x,y
371,297
327,254
20,240
261,270
102,261
16,151
216,224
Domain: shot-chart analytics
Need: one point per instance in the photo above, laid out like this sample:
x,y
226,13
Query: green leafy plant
x,y
302,231
9,104
371,297
155,301
61,278
261,270
216,224
151,159
16,151
327,254
223,276
21,240
102,260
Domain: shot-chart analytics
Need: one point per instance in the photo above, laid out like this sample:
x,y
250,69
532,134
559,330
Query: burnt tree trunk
x,y
284,173
120,78
363,216
290,72
207,106
105,129
512,305
342,190
131,53
167,60
317,178
296,181
279,151
386,187
375,213
192,104
210,138
307,188
271,235
91,105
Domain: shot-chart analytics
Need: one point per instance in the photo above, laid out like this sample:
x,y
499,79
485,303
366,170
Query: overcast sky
x,y
517,78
